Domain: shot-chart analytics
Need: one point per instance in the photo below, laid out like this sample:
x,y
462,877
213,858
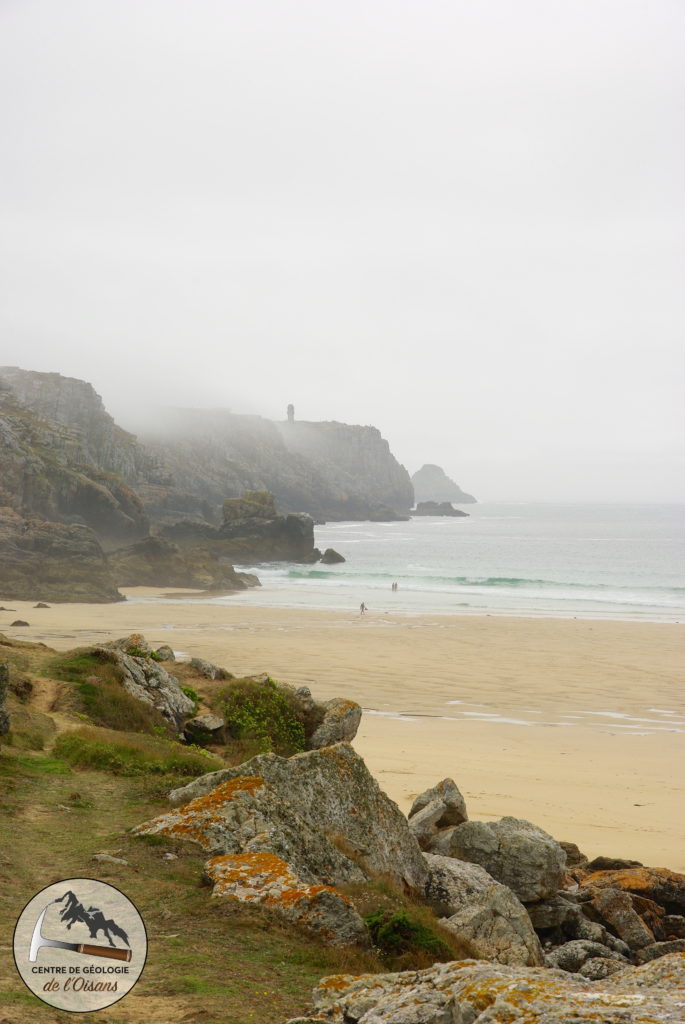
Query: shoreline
x,y
576,724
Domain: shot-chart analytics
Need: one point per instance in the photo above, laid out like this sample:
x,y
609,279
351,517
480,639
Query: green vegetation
x,y
407,939
261,713
192,695
132,754
99,686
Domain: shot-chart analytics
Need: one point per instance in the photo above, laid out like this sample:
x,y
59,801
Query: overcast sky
x,y
459,221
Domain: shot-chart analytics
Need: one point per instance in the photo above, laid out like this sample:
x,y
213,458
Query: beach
x,y
574,724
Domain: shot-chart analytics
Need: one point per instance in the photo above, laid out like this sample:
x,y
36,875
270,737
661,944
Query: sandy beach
x,y
577,725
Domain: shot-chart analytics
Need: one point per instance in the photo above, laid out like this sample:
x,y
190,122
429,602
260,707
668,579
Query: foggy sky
x,y
459,221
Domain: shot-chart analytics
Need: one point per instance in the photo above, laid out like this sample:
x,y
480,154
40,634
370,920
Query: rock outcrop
x,y
159,562
476,907
266,880
472,992
431,483
321,811
515,852
437,508
53,561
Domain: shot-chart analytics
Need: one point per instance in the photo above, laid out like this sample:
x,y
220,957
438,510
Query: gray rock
x,y
149,682
165,653
454,806
479,909
659,949
321,812
572,955
205,728
574,857
205,668
472,992
615,909
674,925
106,858
552,913
424,823
340,723
515,852
599,967
267,880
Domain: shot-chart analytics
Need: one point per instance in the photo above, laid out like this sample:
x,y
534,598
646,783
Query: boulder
x,y
659,949
321,811
615,910
571,956
515,852
208,670
206,728
331,557
554,912
340,722
451,800
574,857
265,879
165,653
667,888
611,864
479,909
473,992
599,967
424,823
149,682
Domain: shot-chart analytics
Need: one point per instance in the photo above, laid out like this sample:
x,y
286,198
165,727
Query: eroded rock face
x,y
657,884
478,908
320,811
149,682
515,852
267,880
53,561
472,992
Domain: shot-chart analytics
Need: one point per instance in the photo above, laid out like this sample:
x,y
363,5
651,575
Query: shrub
x,y
404,940
262,713
133,754
191,694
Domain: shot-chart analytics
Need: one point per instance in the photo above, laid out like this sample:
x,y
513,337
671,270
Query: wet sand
x,y
577,725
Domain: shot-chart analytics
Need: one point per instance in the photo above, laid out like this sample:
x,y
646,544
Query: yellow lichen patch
x,y
191,820
271,879
338,982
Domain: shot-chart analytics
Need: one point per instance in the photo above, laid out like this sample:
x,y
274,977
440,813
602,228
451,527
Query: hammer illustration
x,y
39,940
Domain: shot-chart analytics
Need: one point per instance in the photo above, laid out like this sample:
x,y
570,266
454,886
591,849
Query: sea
x,y
563,560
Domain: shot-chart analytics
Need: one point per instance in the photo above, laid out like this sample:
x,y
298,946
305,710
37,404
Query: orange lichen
x,y
191,820
260,871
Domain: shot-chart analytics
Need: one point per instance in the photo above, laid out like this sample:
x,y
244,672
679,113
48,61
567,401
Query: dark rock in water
x,y
437,508
41,604
4,686
19,622
253,531
59,562
431,483
331,557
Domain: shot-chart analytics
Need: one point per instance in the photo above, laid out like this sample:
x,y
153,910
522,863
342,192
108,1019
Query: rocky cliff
x,y
431,483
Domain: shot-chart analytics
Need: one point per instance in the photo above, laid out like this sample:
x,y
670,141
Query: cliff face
x,y
366,477
49,467
431,483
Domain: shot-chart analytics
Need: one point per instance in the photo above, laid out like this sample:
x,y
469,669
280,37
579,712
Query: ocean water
x,y
609,561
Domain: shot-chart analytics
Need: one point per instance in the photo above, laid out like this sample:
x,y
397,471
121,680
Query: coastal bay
x,y
574,724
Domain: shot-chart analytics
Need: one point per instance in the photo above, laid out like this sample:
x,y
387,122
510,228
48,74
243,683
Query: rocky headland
x,y
493,921
437,508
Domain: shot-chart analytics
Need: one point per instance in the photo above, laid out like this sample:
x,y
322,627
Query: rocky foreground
x,y
536,933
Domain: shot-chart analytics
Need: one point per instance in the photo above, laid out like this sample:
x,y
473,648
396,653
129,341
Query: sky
x,y
461,222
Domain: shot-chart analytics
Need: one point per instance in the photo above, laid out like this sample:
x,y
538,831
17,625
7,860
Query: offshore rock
x,y
321,811
432,484
515,852
331,557
472,992
479,909
52,561
437,508
264,879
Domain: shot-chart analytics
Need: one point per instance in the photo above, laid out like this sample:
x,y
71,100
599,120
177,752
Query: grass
x,y
98,683
132,753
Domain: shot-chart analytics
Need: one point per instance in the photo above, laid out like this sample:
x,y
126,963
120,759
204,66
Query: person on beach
x,y
362,608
